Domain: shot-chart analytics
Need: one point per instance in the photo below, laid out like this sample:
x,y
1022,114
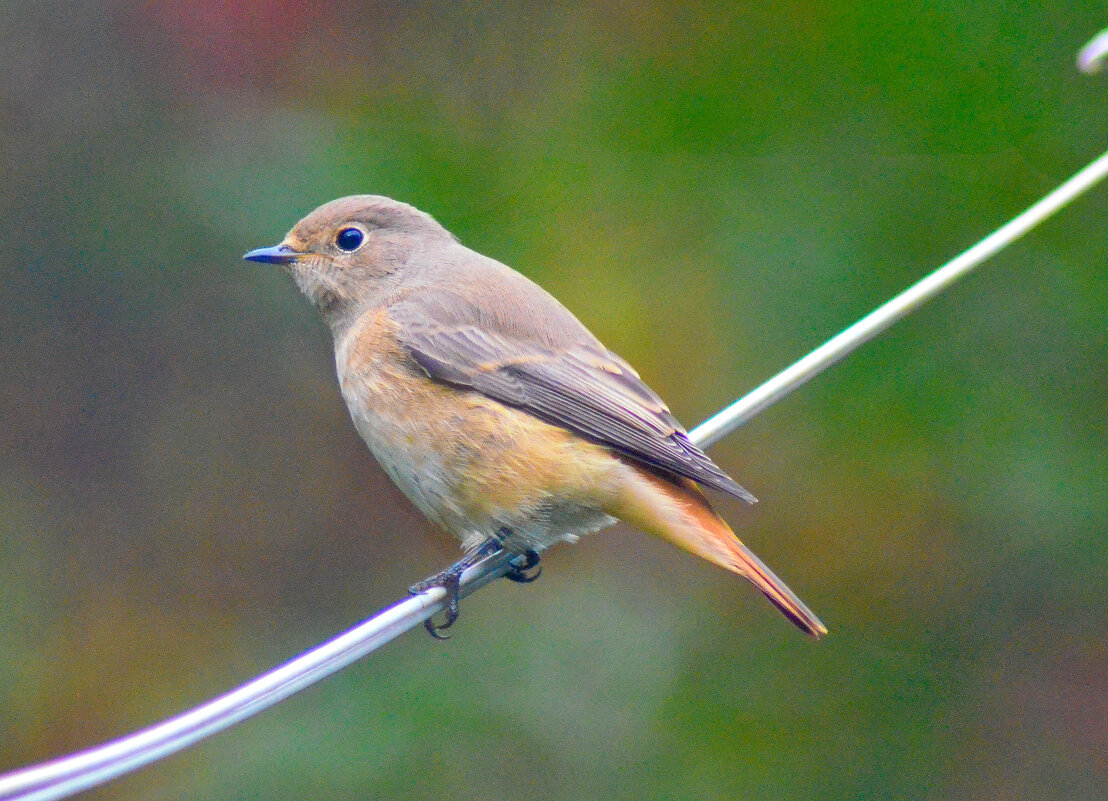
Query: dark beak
x,y
278,254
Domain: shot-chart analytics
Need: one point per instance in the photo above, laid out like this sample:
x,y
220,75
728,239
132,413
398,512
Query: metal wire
x,y
80,771
836,348
1091,58
68,775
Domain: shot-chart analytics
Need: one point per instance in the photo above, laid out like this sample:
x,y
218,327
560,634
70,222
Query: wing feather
x,y
580,386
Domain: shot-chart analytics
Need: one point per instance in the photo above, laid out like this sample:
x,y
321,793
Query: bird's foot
x,y
527,571
450,580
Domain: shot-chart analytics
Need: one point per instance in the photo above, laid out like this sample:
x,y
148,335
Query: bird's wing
x,y
579,386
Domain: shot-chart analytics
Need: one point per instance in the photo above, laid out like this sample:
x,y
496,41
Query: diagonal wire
x,y
1091,58
68,775
838,347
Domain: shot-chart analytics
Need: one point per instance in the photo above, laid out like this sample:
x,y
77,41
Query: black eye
x,y
349,239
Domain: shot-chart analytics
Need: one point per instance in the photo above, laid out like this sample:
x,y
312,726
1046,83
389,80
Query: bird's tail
x,y
677,511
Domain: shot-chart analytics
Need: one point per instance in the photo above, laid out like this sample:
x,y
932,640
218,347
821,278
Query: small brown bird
x,y
492,407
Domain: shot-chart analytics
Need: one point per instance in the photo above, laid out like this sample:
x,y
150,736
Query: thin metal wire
x,y
71,774
1091,58
63,777
838,347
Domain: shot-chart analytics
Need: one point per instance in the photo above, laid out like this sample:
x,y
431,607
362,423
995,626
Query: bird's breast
x,y
470,463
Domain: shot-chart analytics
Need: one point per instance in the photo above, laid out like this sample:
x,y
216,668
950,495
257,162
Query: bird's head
x,y
348,252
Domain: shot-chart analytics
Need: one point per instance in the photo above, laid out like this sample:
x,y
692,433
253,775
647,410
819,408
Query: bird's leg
x,y
449,580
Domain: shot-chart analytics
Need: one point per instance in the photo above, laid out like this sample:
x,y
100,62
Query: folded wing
x,y
580,386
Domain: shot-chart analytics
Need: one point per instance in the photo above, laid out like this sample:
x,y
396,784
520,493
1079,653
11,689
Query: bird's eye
x,y
349,239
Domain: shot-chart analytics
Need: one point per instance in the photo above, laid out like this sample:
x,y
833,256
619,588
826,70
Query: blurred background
x,y
714,190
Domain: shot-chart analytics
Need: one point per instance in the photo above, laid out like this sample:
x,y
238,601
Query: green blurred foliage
x,y
714,189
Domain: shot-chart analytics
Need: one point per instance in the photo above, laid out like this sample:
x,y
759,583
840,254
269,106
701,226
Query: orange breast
x,y
465,460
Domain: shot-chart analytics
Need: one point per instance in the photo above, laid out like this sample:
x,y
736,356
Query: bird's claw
x,y
450,580
525,572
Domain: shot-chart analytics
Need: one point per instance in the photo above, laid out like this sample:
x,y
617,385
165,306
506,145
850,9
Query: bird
x,y
493,408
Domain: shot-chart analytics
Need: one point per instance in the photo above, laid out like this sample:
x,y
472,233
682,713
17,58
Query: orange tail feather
x,y
680,513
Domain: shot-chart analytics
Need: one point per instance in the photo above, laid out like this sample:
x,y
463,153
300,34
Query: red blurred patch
x,y
233,44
